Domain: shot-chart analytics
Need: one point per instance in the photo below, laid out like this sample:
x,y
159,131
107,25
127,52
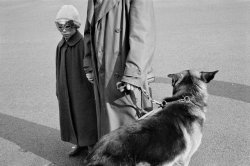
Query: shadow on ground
x,y
40,140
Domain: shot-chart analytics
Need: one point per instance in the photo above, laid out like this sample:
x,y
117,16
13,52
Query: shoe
x,y
75,150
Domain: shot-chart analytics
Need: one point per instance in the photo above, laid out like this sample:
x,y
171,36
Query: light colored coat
x,y
119,45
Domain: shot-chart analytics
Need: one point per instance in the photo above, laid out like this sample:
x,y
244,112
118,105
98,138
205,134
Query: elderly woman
x,y
119,45
74,92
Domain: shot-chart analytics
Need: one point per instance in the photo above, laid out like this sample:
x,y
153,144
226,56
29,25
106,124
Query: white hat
x,y
69,12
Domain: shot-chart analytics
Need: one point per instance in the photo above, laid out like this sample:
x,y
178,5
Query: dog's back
x,y
155,139
169,136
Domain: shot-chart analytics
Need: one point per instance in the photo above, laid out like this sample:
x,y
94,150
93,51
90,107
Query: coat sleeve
x,y
141,41
87,63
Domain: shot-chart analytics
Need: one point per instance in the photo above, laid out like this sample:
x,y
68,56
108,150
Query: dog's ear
x,y
176,78
208,76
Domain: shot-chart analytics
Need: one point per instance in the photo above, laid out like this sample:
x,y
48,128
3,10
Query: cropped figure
x,y
119,45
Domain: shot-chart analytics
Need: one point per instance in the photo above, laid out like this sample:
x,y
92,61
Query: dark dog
x,y
166,137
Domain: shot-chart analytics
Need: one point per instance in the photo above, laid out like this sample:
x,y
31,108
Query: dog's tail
x,y
103,161
108,152
97,156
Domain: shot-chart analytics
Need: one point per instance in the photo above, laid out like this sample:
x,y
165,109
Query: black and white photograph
x,y
124,83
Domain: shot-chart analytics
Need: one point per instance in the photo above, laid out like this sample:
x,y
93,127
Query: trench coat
x,y
75,94
119,41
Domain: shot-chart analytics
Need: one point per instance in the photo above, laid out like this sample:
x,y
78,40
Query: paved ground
x,y
203,35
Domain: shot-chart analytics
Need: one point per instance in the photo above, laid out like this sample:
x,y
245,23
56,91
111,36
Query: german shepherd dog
x,y
166,137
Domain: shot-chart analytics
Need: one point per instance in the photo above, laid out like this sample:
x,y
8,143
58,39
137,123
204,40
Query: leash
x,y
145,93
139,111
185,99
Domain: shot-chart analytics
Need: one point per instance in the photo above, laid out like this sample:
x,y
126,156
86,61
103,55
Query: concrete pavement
x,y
203,35
15,155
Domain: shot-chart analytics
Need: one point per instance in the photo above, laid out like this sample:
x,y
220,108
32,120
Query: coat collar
x,y
106,6
73,40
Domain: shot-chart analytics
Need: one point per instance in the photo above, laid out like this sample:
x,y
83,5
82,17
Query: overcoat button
x,y
117,30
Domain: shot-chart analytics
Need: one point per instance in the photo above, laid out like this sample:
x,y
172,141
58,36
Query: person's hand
x,y
90,77
129,86
124,86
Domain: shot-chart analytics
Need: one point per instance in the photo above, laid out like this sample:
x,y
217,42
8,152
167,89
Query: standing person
x,y
74,91
119,41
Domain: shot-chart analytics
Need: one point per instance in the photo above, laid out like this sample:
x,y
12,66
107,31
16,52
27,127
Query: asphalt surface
x,y
203,35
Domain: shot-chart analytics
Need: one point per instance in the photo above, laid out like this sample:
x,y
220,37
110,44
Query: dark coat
x,y
75,94
119,41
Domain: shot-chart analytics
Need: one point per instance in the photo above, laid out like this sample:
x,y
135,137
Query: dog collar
x,y
185,99
188,99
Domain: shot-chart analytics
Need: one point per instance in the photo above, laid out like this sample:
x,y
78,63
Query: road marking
x,y
220,88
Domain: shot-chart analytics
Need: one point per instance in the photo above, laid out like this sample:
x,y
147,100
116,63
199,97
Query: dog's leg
x,y
184,157
196,137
